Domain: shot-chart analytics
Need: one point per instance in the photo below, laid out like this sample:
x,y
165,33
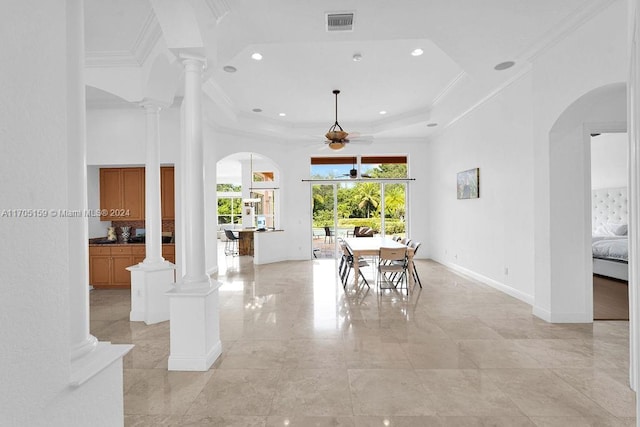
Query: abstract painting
x,y
469,184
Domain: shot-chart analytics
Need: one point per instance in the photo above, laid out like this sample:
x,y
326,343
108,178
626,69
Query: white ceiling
x,y
302,63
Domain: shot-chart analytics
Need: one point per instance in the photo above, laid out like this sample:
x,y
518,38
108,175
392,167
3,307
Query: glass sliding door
x,y
395,209
363,193
323,208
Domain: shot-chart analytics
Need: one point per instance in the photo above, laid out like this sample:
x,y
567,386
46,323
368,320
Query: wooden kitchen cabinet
x,y
139,253
169,253
167,192
108,266
99,266
122,194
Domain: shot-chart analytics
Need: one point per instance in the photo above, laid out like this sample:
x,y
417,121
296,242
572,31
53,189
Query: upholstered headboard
x,y
609,205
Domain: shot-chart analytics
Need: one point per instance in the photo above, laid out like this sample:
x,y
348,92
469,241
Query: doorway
x,y
609,219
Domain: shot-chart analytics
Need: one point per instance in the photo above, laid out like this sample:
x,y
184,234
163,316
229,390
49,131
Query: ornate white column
x,y
88,357
195,331
151,279
153,214
195,269
81,341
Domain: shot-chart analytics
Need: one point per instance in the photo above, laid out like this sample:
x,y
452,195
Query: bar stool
x,y
231,245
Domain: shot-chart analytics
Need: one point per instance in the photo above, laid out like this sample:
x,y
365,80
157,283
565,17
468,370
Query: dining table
x,y
370,246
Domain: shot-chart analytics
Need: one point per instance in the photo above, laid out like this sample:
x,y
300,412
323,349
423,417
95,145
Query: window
x,y
229,204
384,166
266,206
332,167
263,176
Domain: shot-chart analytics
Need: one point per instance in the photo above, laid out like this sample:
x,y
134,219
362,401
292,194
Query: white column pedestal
x,y
195,327
149,286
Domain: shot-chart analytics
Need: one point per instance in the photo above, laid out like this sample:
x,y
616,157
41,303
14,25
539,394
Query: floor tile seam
x,y
496,384
555,374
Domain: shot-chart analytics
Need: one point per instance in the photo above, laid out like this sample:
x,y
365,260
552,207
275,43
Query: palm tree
x,y
394,199
368,196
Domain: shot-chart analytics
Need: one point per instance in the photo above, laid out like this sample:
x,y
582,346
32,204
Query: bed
x,y
610,243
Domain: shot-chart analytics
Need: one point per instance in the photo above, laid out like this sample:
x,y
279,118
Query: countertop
x,y
120,243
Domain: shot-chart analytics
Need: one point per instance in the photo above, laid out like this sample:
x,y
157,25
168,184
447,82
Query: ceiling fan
x,y
353,173
336,136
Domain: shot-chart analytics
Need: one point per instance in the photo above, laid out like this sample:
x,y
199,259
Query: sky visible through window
x,y
336,171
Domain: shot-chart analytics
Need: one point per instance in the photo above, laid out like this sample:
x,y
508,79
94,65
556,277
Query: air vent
x,y
339,21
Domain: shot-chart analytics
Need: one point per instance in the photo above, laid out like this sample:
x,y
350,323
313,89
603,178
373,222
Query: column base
x,y
149,286
195,326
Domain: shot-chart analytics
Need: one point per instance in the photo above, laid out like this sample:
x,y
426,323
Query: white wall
x,y
116,136
593,56
97,228
609,154
490,238
526,219
35,367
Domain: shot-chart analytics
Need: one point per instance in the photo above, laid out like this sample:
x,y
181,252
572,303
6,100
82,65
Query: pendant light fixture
x,y
336,136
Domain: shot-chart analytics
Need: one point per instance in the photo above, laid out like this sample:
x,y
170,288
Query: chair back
x,y
327,231
230,234
393,254
415,245
405,241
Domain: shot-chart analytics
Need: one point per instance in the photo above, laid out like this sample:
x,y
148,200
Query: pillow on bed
x,y
611,229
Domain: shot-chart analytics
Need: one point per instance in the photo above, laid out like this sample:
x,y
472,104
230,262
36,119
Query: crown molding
x,y
147,39
113,58
143,45
219,8
444,92
565,28
526,69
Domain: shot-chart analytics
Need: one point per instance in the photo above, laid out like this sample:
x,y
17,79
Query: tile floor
x,y
300,351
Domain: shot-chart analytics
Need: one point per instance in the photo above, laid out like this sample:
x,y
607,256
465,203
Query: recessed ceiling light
x,y
504,65
357,57
417,52
430,125
257,110
256,56
383,112
230,68
282,114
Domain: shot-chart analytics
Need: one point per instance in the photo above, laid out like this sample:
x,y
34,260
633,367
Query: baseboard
x,y
181,363
547,316
136,316
156,317
490,282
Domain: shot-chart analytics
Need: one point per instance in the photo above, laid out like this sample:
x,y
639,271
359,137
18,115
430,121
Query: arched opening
x,y
248,198
569,286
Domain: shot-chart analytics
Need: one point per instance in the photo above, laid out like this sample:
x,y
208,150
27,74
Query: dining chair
x,y
231,245
392,268
346,265
354,232
415,245
405,241
328,234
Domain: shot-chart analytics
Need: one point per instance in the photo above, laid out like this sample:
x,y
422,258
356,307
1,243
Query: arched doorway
x,y
247,193
564,292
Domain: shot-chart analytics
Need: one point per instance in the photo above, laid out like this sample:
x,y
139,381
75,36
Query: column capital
x,y
192,59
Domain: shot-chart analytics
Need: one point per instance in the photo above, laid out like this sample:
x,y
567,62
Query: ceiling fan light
x,y
336,145
336,135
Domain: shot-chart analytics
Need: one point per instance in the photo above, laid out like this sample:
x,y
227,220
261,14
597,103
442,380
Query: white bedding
x,y
611,247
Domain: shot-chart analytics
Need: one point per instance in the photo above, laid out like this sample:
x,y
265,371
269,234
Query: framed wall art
x,y
469,184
